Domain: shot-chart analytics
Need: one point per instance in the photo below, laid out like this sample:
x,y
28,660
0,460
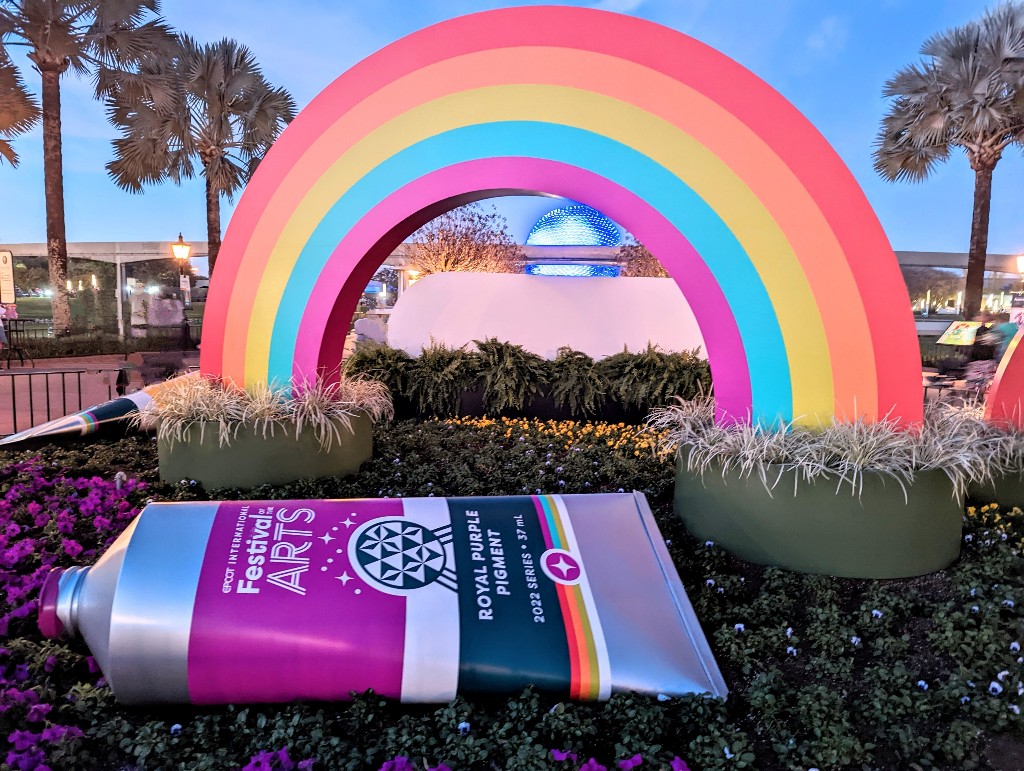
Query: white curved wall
x,y
598,316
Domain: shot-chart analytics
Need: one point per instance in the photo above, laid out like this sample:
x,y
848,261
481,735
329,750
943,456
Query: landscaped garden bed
x,y
504,379
823,672
224,436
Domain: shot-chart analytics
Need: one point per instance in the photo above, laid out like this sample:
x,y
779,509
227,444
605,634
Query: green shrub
x,y
437,378
578,382
97,344
431,384
512,375
377,361
653,378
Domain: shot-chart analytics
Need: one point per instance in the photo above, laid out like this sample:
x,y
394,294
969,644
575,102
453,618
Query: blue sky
x,y
829,58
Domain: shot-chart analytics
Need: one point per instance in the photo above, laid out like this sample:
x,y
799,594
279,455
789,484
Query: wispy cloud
x,y
829,37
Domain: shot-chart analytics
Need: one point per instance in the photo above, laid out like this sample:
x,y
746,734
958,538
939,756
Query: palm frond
x,y
19,112
964,94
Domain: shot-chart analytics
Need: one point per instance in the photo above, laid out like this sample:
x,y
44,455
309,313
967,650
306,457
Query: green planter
x,y
252,459
1007,491
822,530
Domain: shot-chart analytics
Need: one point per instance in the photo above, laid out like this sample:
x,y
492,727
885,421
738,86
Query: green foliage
x,y
513,378
96,344
376,361
578,383
512,375
653,377
437,378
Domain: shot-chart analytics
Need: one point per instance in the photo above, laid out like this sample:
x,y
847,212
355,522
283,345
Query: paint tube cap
x,y
49,622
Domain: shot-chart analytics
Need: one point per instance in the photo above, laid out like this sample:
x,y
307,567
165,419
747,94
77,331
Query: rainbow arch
x,y
801,303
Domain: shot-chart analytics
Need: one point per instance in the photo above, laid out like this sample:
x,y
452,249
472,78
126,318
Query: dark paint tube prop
x,y
95,420
416,598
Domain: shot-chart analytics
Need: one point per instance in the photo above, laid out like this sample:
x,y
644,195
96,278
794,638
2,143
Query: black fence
x,y
31,397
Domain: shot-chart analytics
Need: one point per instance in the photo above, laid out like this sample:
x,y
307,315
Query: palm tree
x,y
18,110
968,93
223,112
105,38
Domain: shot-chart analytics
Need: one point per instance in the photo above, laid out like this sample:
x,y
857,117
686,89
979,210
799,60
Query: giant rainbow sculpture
x,y
800,300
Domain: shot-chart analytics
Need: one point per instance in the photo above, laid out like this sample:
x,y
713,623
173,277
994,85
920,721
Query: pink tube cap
x,y
49,623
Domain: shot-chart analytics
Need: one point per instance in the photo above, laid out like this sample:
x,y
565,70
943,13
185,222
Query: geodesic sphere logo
x,y
397,556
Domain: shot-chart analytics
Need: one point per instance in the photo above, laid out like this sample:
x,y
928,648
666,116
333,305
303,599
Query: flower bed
x,y
824,672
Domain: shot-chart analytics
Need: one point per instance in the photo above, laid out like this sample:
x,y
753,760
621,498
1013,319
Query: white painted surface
x,y
598,316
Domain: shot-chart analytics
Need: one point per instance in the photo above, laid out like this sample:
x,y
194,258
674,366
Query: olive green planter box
x,y
824,530
1006,490
252,459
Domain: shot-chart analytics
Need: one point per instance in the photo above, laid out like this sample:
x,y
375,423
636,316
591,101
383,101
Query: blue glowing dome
x,y
575,225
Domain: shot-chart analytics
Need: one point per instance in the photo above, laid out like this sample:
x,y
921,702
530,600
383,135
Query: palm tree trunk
x,y
212,222
53,175
979,241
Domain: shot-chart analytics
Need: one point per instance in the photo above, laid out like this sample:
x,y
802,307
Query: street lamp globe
x,y
180,249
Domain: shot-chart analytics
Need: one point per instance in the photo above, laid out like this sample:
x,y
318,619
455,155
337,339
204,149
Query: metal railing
x,y
28,398
42,329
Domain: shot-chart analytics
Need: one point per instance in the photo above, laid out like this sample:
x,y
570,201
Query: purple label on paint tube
x,y
280,612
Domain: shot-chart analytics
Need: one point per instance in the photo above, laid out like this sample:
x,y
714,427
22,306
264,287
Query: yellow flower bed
x,y
570,433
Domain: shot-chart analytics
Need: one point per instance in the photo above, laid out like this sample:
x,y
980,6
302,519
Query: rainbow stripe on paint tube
x,y
561,563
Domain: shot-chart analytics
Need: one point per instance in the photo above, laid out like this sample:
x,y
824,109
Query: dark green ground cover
x,y
824,673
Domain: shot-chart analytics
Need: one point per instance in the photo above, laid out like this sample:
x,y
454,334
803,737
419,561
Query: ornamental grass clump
x,y
325,408
953,439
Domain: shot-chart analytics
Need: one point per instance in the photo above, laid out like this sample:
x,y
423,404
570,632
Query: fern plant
x,y
652,378
438,376
381,362
577,381
512,375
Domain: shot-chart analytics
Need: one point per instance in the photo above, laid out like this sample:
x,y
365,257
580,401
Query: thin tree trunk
x,y
979,241
53,175
212,222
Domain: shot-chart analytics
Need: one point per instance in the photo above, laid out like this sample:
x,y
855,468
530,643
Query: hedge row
x,y
503,379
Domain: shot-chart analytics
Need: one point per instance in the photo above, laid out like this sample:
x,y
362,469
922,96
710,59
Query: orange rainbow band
x,y
797,291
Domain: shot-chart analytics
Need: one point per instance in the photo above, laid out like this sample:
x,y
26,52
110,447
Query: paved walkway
x,y
56,387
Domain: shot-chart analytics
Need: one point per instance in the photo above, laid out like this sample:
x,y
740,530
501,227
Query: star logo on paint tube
x,y
344,578
561,566
326,538
347,522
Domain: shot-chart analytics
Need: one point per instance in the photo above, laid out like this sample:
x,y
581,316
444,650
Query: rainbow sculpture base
x,y
822,527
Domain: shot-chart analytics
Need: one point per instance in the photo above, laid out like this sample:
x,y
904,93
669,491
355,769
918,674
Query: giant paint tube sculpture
x,y
416,598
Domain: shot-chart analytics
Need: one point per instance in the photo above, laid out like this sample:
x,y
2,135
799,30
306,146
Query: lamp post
x,y
181,251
